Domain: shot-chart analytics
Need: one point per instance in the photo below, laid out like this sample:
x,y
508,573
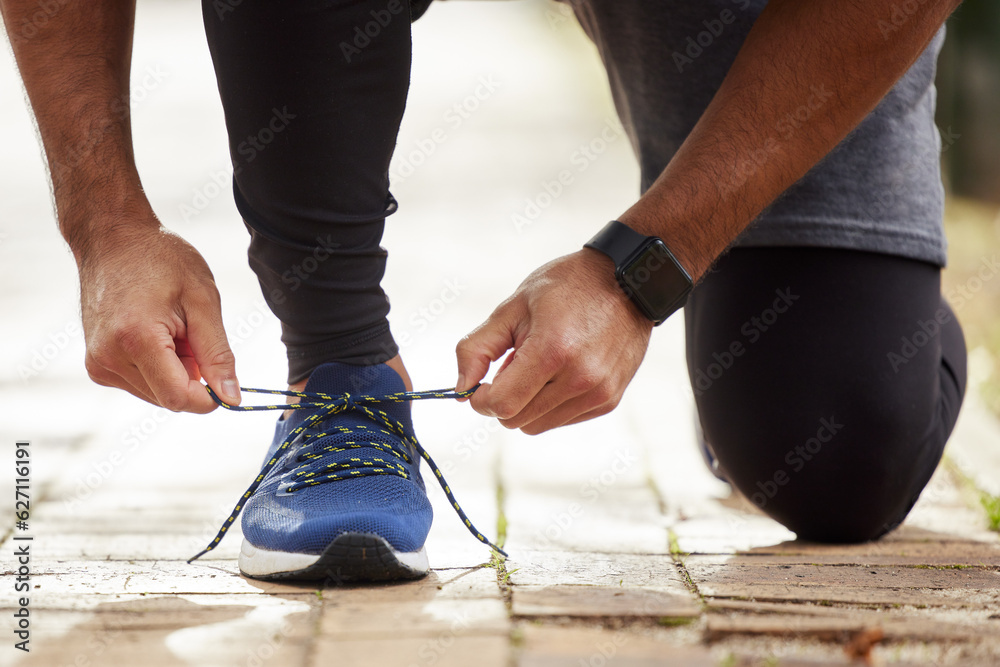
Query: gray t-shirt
x,y
878,190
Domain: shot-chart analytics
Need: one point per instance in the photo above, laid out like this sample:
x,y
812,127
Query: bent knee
x,y
835,486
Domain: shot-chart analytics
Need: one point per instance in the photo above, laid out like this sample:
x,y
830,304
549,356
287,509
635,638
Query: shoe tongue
x,y
337,379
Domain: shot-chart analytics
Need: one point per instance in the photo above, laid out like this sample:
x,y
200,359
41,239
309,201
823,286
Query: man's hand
x,y
151,312
577,342
152,319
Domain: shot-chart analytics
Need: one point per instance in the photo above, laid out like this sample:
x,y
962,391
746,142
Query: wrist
x,y
694,256
645,269
93,229
602,268
95,183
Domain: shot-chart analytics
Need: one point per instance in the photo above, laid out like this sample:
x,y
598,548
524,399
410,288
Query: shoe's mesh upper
x,y
341,439
311,517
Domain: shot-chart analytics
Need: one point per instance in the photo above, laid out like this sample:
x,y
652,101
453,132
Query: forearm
x,y
835,58
75,66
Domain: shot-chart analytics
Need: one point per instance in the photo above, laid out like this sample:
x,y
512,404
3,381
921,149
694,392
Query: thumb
x,y
487,343
214,357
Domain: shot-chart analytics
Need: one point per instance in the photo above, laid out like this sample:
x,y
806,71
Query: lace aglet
x,y
197,556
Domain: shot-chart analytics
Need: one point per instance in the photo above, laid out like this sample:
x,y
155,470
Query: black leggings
x,y
313,92
827,383
807,410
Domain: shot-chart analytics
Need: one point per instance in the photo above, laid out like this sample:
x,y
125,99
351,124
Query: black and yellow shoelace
x,y
326,406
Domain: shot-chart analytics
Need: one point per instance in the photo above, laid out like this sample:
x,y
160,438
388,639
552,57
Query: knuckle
x,y
130,338
98,362
91,364
505,409
558,354
587,376
206,295
582,382
97,374
173,400
552,358
603,396
508,424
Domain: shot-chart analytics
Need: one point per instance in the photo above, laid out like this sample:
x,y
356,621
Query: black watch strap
x,y
646,270
617,240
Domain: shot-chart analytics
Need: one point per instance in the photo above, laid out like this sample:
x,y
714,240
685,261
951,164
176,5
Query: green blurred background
x,y
968,85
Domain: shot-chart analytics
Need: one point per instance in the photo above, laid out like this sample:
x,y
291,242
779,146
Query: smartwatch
x,y
646,270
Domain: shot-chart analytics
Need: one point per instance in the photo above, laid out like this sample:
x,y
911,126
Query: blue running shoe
x,y
345,501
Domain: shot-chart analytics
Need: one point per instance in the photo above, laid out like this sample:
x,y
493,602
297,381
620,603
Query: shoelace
x,y
327,405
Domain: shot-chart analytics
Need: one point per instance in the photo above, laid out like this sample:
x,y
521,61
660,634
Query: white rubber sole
x,y
255,562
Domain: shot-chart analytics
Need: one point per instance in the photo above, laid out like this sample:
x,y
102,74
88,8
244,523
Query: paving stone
x,y
82,578
621,519
782,651
465,445
933,624
718,577
660,388
48,455
86,647
454,601
715,571
810,608
455,551
162,510
568,646
842,628
105,546
443,649
940,516
793,608
905,541
274,627
587,459
179,495
139,522
450,544
724,532
859,596
174,631
593,569
366,620
456,584
770,660
586,489
162,610
827,629
58,437
162,461
142,647
603,601
939,556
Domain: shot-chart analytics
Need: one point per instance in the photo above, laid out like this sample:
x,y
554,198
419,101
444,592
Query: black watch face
x,y
653,280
